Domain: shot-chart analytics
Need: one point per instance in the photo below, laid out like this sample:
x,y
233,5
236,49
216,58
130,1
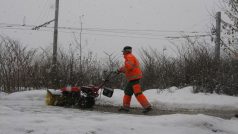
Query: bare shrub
x,y
158,70
195,66
22,68
15,64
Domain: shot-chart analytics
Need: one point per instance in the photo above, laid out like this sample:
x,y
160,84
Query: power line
x,y
129,30
187,36
24,29
115,30
112,35
43,25
107,32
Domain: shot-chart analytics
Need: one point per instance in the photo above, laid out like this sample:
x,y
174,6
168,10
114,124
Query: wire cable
x,y
147,31
108,32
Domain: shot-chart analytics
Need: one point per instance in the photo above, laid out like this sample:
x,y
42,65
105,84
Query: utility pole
x,y
80,45
218,36
54,60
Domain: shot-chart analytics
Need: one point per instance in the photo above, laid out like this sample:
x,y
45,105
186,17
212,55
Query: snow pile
x,y
3,94
26,95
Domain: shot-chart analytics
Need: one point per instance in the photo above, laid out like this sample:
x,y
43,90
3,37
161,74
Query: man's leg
x,y
139,95
126,101
127,97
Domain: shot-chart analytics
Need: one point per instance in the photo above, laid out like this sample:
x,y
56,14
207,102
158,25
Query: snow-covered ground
x,y
178,98
26,113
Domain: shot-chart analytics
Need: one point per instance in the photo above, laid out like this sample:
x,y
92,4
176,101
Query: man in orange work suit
x,y
133,73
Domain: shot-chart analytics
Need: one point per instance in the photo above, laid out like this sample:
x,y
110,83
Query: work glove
x,y
120,70
117,71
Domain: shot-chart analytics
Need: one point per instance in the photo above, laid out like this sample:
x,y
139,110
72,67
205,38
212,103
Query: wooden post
x,y
218,36
54,60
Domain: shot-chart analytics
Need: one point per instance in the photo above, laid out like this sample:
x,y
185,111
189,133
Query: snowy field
x,y
26,113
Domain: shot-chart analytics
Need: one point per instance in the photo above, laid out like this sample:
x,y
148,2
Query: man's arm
x,y
129,64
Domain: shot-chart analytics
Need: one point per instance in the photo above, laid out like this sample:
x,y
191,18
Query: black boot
x,y
146,110
123,109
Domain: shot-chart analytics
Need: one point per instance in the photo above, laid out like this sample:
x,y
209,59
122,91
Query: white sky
x,y
160,15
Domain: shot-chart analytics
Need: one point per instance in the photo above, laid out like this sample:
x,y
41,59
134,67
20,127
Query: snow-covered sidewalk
x,y
26,112
174,98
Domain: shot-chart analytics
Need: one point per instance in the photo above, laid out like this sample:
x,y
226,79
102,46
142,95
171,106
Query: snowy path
x,y
26,113
226,114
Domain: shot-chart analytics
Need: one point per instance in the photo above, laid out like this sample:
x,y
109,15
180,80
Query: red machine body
x,y
70,89
83,97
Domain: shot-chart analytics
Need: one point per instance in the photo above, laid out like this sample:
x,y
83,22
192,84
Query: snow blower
x,y
82,97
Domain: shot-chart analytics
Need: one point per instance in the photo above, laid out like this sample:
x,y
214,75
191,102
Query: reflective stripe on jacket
x,y
132,67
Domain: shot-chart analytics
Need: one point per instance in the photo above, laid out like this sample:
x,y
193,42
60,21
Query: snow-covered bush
x,y
22,68
195,65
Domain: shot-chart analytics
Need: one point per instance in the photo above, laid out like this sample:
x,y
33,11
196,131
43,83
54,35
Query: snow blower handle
x,y
112,74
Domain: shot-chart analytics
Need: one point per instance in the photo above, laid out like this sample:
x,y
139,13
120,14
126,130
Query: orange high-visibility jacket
x,y
132,67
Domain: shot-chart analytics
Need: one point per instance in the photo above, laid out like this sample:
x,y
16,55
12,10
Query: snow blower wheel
x,y
87,102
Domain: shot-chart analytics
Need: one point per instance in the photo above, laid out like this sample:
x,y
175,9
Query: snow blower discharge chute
x,y
82,97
